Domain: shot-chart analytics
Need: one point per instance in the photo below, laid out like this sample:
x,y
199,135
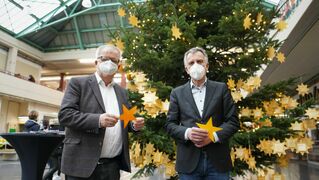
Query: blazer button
x,y
100,143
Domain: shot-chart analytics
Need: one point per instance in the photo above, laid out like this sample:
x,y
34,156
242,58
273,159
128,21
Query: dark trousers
x,y
205,171
106,169
54,166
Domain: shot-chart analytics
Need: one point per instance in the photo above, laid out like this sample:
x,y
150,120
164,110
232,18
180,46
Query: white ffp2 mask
x,y
108,67
197,71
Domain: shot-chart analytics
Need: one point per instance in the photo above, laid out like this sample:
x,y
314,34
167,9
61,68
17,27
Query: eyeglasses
x,y
103,59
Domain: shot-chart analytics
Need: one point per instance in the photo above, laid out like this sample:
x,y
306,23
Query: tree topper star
x,y
127,115
210,128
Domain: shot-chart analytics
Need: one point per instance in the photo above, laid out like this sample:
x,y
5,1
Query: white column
x,y
2,120
12,60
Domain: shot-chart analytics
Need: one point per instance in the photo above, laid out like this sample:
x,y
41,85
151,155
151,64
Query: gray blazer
x,y
80,111
184,114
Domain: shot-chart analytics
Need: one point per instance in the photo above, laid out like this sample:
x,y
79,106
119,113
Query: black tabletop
x,y
34,149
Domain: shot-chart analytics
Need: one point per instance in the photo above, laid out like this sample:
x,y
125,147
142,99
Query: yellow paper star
x,y
210,128
278,147
302,148
291,143
133,20
292,103
147,160
247,22
281,25
259,18
308,141
152,110
127,115
149,98
251,163
157,157
271,53
265,146
257,113
121,12
284,101
119,43
266,123
309,124
242,153
245,112
254,81
149,149
231,84
302,89
137,150
297,126
139,77
281,57
176,32
240,84
170,169
236,96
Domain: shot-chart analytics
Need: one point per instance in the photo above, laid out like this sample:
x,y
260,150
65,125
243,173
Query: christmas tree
x,y
237,37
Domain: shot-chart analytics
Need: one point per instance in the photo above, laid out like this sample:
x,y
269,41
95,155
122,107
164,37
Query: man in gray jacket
x,y
198,157
96,142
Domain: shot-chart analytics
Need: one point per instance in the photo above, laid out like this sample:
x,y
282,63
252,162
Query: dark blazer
x,y
81,108
31,125
183,114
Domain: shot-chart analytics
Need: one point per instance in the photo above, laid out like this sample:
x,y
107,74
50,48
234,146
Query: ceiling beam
x,y
32,15
78,34
35,25
92,30
28,31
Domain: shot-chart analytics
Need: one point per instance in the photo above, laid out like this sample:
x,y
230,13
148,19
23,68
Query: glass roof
x,y
17,15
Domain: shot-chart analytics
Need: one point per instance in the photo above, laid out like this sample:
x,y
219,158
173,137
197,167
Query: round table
x,y
34,150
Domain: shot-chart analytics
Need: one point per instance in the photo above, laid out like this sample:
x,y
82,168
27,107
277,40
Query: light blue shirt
x,y
199,93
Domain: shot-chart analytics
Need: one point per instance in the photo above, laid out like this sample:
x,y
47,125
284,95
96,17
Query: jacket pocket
x,y
71,141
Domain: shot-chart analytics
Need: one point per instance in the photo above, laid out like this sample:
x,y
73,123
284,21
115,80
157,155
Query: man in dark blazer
x,y
96,143
195,102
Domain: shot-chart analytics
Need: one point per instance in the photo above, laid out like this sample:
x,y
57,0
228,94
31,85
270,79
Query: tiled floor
x,y
297,170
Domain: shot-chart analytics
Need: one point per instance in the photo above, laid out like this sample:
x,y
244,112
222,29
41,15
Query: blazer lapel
x,y
96,91
189,97
210,93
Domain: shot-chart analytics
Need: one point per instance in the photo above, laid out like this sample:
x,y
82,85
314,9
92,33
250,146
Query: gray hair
x,y
107,48
193,51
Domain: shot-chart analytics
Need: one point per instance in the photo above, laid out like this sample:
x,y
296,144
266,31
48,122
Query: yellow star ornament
x,y
247,22
127,115
312,113
121,12
231,84
281,25
133,20
210,128
302,89
259,18
176,32
271,53
281,57
119,43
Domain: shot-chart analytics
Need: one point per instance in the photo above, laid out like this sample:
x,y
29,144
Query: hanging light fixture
x,y
87,3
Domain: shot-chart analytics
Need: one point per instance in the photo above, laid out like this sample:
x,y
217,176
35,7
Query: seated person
x,y
45,125
31,124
